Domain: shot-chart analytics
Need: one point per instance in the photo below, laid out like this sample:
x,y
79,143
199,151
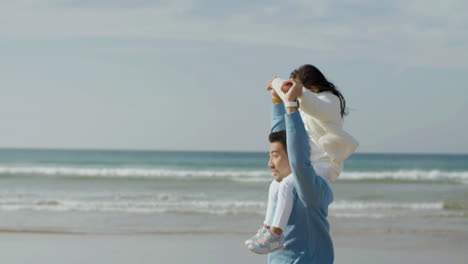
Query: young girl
x,y
322,108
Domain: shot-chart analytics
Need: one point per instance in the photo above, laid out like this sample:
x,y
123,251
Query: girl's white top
x,y
330,144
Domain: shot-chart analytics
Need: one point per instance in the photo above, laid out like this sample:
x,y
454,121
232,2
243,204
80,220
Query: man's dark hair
x,y
279,136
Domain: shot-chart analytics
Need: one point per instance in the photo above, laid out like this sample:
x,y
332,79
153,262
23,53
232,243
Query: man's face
x,y
279,162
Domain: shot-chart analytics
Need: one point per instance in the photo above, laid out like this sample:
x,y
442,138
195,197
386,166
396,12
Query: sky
x,y
191,75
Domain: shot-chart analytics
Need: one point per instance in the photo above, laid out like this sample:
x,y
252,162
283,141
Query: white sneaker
x,y
267,243
260,232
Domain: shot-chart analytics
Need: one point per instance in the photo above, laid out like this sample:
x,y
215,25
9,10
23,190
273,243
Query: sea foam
x,y
229,174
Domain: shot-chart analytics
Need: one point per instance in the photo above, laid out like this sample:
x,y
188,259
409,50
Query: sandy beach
x,y
213,248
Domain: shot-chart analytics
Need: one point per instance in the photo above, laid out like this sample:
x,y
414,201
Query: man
x,y
307,234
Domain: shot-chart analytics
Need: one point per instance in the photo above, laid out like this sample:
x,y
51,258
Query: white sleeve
x,y
325,107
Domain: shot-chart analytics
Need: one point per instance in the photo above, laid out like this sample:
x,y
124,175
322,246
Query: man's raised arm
x,y
309,185
277,117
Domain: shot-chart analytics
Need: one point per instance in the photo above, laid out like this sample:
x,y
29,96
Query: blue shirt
x,y
307,234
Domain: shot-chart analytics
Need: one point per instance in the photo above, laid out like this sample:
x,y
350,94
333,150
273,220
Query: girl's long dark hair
x,y
310,77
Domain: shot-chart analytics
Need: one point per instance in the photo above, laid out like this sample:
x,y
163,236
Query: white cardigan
x,y
321,113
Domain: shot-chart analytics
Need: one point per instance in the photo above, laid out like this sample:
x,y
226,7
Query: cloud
x,y
108,3
404,33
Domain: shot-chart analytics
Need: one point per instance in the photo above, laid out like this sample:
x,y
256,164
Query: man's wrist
x,y
291,106
289,103
291,109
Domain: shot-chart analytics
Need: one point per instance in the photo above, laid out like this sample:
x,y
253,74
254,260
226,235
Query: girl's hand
x,y
269,87
294,92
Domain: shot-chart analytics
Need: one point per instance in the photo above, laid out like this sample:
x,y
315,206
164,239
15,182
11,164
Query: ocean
x,y
108,191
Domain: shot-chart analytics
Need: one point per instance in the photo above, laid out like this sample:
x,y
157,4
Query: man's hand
x,y
292,90
286,86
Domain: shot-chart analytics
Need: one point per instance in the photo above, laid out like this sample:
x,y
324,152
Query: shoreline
x,y
362,231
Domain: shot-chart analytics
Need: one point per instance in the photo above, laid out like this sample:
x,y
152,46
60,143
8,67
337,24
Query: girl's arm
x,y
323,106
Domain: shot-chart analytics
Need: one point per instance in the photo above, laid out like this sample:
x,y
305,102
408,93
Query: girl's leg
x,y
284,205
272,198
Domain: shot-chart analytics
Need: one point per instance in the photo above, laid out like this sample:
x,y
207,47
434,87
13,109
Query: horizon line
x,y
206,150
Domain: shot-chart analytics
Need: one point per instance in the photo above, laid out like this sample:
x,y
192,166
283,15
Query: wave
x,y
172,203
236,175
158,204
396,215
411,175
356,205
140,173
20,197
389,205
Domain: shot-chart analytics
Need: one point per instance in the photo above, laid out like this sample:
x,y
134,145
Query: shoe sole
x,y
264,253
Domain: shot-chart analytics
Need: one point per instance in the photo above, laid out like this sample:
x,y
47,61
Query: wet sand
x,y
29,246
